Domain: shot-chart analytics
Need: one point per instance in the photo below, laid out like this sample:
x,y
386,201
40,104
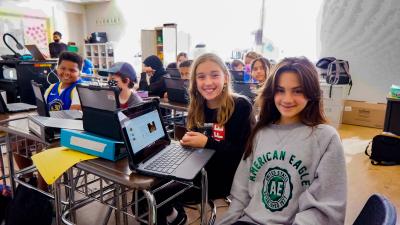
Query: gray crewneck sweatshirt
x,y
295,175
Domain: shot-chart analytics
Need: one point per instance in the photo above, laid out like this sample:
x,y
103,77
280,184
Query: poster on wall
x,y
35,32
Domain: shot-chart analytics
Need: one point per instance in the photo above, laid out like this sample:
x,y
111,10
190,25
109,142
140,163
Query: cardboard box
x,y
364,113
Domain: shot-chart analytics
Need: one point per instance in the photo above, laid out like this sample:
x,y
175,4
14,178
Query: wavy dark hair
x,y
312,115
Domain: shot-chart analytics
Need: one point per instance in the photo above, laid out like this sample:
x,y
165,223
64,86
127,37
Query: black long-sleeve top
x,y
56,48
222,166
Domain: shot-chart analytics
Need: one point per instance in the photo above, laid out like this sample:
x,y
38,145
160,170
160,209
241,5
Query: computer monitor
x,y
392,118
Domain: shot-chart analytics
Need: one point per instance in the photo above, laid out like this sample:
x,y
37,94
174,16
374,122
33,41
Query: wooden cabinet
x,y
162,42
101,54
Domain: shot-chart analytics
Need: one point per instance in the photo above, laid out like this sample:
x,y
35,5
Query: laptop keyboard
x,y
170,159
20,107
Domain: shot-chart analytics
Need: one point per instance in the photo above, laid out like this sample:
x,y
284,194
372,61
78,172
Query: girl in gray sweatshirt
x,y
293,170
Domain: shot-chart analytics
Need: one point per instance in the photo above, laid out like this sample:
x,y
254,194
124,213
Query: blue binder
x,y
93,144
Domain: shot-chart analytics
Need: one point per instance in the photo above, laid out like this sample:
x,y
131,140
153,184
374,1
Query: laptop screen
x,y
40,102
143,130
104,98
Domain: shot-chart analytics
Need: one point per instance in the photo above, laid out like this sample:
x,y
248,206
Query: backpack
x,y
29,207
385,150
338,72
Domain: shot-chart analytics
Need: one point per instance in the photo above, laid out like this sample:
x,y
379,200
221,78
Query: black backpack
x,y
385,150
29,207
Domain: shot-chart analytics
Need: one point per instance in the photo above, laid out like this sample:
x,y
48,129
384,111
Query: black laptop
x,y
246,89
173,72
14,107
177,89
99,105
237,75
150,149
42,109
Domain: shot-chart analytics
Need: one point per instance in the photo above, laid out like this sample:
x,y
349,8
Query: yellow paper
x,y
52,163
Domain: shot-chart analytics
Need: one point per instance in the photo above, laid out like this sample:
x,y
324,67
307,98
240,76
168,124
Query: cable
x,y
52,71
19,46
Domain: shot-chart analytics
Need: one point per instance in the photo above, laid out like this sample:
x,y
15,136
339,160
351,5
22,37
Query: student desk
x,y
175,106
113,178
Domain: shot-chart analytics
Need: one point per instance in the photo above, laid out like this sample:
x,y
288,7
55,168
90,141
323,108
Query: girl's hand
x,y
194,139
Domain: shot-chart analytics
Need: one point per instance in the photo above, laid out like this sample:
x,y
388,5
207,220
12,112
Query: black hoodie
x,y
157,85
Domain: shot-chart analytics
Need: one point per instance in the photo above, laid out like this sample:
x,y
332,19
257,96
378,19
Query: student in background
x,y
63,94
293,170
237,65
184,69
182,56
57,46
217,119
122,75
87,69
260,68
153,67
249,57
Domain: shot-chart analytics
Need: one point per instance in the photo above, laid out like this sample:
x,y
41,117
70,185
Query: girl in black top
x,y
153,67
217,119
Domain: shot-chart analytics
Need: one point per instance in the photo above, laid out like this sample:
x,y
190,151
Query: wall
x,y
226,19
59,13
367,34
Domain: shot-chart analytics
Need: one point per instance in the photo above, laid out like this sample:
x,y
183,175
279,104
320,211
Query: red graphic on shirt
x,y
218,133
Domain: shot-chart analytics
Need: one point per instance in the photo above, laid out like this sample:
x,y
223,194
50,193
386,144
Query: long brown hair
x,y
312,115
196,104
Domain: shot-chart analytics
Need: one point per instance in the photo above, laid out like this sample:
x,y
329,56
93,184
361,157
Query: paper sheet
x,y
52,163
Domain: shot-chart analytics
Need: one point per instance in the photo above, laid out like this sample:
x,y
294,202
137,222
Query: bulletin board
x,y
26,29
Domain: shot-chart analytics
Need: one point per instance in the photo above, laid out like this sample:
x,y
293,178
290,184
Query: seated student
x,y
63,94
293,170
153,67
182,56
217,119
260,68
237,65
184,69
248,58
87,69
123,76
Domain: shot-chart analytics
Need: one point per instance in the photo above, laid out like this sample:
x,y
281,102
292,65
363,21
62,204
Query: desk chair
x,y
378,210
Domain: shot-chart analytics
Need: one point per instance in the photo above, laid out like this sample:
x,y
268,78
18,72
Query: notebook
x,y
14,107
177,89
150,150
42,109
98,106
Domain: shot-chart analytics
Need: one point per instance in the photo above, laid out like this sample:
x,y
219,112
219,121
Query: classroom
x,y
225,112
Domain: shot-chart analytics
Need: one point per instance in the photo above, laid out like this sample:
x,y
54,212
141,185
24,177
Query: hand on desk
x,y
194,139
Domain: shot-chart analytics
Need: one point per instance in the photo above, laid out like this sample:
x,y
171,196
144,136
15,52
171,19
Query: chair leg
x,y
213,214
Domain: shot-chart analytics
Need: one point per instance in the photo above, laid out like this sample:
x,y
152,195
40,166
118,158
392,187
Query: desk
x,y
166,104
114,178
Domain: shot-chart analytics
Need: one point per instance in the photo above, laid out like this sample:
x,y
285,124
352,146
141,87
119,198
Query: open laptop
x,y
173,72
35,52
177,89
43,110
246,89
14,107
98,106
150,150
237,75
